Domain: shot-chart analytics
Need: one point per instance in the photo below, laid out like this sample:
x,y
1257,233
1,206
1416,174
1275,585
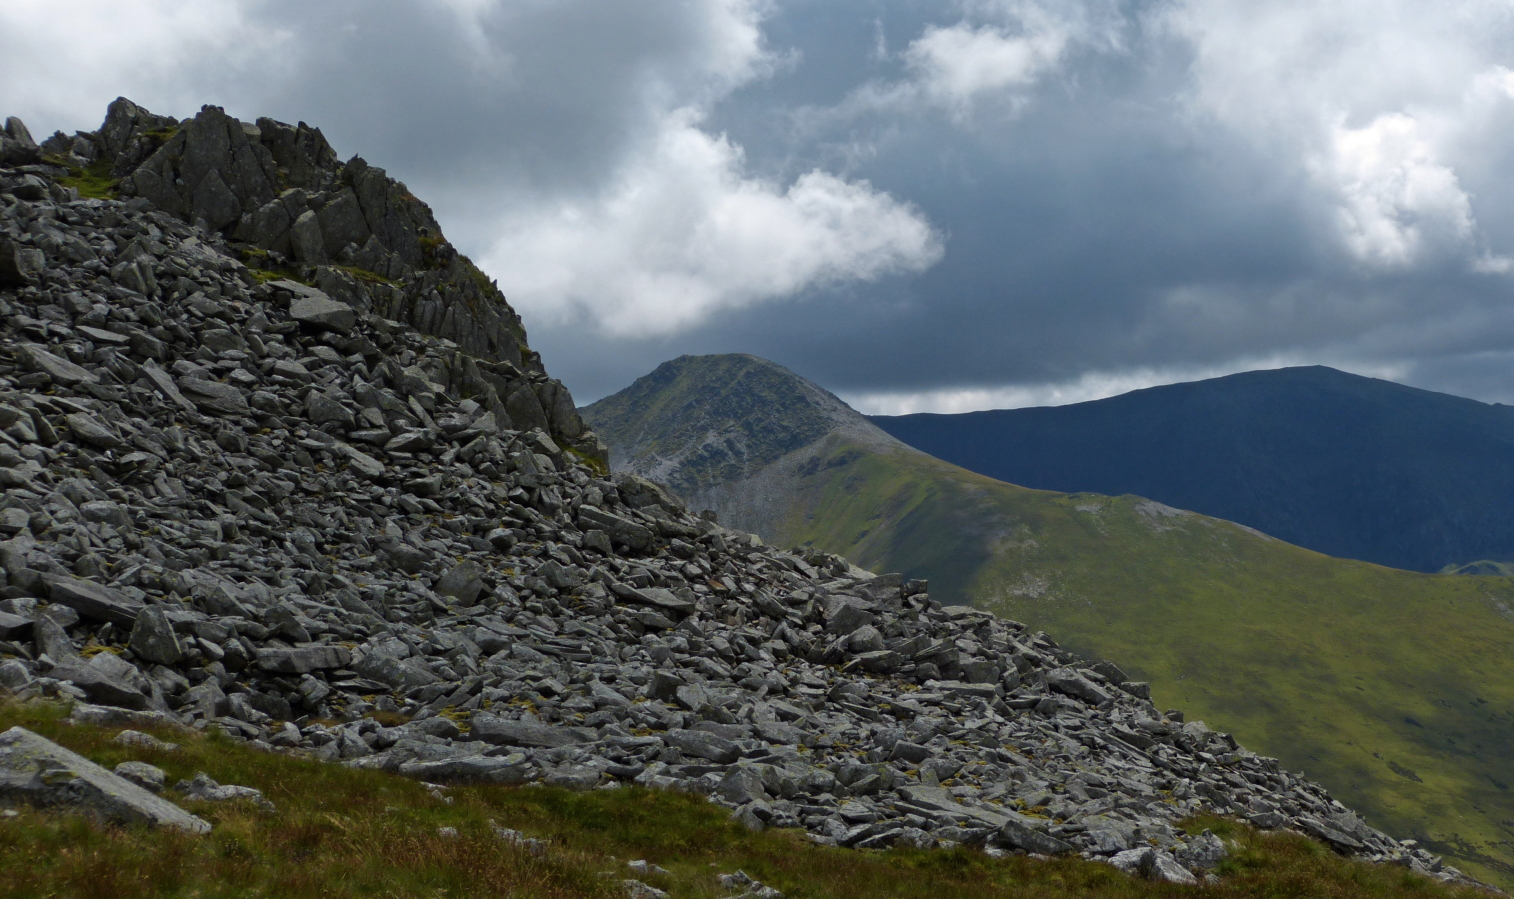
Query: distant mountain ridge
x,y
1346,465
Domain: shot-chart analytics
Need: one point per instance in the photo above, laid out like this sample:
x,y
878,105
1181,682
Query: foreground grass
x,y
1395,689
344,833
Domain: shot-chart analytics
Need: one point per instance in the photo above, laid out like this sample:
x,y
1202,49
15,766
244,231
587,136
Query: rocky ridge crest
x,y
271,508
277,198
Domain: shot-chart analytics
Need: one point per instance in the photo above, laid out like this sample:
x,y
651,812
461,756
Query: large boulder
x,y
39,772
106,679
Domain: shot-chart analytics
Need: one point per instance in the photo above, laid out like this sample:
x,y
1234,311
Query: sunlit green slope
x,y
1394,688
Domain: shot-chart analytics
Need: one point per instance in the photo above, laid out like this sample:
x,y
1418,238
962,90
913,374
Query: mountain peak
x,y
699,421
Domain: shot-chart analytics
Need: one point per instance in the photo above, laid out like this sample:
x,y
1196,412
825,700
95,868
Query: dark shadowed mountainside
x,y
1349,466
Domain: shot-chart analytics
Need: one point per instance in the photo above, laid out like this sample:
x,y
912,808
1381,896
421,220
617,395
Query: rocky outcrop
x,y
282,201
273,509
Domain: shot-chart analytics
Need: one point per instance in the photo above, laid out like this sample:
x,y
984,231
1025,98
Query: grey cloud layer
x,y
903,199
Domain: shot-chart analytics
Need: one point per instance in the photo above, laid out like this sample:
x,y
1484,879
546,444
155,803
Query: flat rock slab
x,y
321,311
105,716
636,536
93,600
360,461
303,659
659,597
165,385
59,369
512,768
38,771
88,429
526,733
940,800
1071,682
14,626
101,684
213,396
702,745
989,692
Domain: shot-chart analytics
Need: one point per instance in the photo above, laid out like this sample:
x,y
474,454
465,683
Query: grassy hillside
x,y
339,832
1393,688
1355,467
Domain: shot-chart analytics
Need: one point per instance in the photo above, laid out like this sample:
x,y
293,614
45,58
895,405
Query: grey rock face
x,y
203,786
302,659
464,582
153,638
104,679
14,626
57,369
514,768
703,745
1203,853
525,733
1153,864
318,310
1075,684
279,509
42,773
93,600
18,265
148,777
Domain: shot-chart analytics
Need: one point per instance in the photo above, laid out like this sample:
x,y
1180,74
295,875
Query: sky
x,y
923,206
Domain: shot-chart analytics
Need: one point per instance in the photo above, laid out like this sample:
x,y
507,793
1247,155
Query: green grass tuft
x,y
93,181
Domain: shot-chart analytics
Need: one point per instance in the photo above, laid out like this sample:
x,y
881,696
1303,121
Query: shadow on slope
x,y
1350,466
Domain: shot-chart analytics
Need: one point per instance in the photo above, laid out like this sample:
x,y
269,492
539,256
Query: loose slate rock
x,y
703,745
464,582
60,370
153,638
93,600
14,627
513,768
213,396
321,311
303,659
525,733
38,771
148,777
87,429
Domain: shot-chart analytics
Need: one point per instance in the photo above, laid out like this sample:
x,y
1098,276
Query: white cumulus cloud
x,y
62,61
993,55
1394,193
685,232
955,65
1374,101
